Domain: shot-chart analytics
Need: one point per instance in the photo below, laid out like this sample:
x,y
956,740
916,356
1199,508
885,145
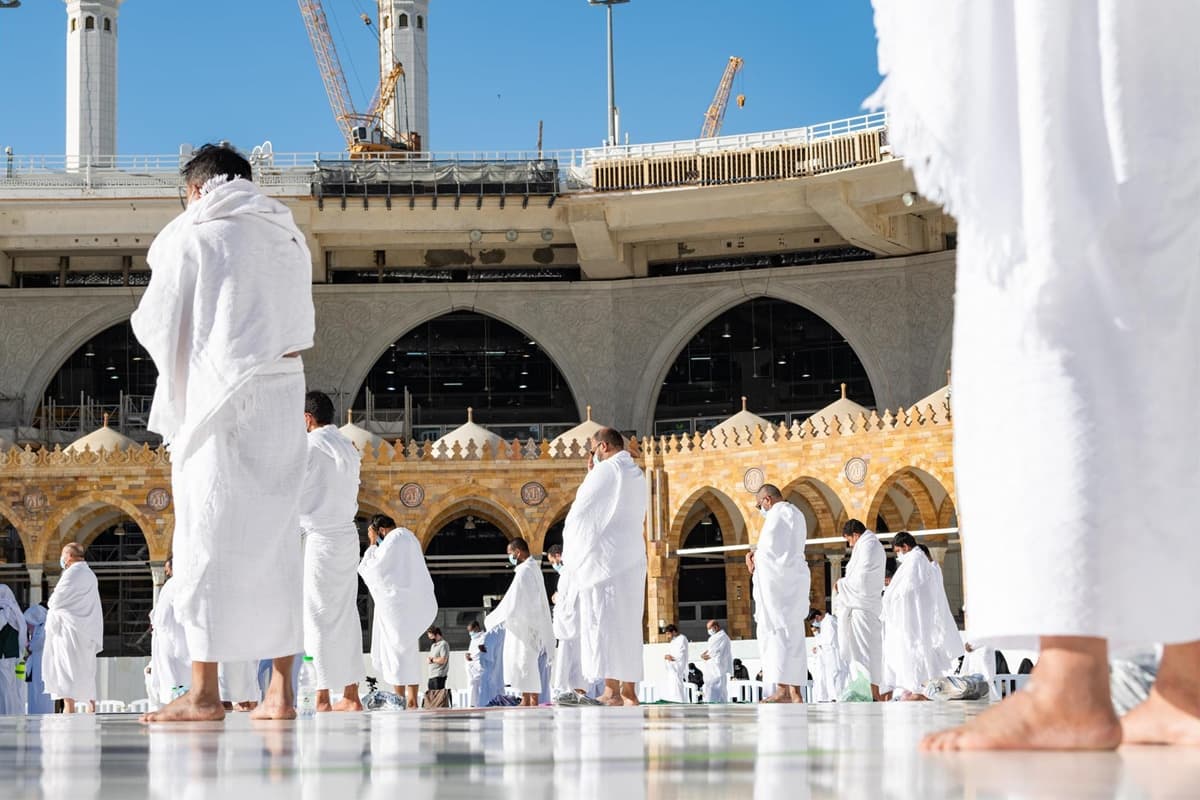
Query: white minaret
x,y
404,37
91,81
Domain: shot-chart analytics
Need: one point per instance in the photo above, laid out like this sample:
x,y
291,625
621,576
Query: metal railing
x,y
293,174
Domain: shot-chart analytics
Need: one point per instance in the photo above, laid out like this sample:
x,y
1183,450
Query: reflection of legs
x,y
279,701
1065,706
529,698
201,703
1171,714
68,705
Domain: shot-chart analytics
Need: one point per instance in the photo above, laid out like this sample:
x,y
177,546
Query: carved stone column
x,y
35,583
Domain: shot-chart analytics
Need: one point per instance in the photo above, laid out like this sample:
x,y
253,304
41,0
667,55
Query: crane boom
x,y
331,67
715,116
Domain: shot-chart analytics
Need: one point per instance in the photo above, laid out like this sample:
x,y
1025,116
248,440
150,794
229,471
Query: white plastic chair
x,y
1007,684
143,706
693,693
647,693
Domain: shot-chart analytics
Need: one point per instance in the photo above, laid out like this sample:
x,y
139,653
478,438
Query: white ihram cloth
x,y
1062,136
859,604
674,682
405,605
230,294
474,669
920,637
74,635
604,549
332,628
525,614
238,681
567,673
39,700
781,583
12,691
717,668
170,665
829,670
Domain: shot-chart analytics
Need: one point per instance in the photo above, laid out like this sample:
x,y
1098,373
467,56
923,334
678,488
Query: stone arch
x,y
86,506
920,486
476,501
61,347
823,501
537,541
687,326
722,507
374,343
947,514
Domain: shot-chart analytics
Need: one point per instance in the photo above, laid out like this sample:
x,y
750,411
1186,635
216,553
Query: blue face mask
x,y
512,560
762,511
62,562
557,567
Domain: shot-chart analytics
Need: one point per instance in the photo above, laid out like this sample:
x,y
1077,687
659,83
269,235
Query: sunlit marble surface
x,y
655,752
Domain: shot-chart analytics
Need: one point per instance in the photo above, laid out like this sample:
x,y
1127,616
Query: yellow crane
x,y
715,116
365,133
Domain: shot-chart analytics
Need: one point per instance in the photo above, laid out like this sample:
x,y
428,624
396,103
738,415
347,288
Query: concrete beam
x,y
601,256
860,227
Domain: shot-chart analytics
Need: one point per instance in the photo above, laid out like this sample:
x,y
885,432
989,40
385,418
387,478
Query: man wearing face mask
x,y
567,676
718,663
525,614
858,602
74,632
780,577
920,637
394,570
605,551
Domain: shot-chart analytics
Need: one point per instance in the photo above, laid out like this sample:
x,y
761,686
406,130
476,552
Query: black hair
x,y
554,550
519,544
925,550
435,630
212,160
813,612
904,539
611,437
474,625
771,491
382,521
670,629
853,527
320,406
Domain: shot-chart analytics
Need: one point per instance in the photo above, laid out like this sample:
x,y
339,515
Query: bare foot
x,y
609,699
273,708
187,709
346,704
1034,719
778,697
1160,721
324,705
629,701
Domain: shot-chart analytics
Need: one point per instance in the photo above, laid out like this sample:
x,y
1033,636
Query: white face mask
x,y
62,562
762,511
712,632
557,567
512,560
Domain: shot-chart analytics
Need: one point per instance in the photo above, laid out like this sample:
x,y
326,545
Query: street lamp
x,y
612,90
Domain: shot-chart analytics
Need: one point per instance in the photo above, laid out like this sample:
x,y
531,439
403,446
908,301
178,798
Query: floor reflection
x,y
649,753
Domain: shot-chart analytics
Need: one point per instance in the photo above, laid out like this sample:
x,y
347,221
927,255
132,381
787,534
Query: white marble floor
x,y
656,752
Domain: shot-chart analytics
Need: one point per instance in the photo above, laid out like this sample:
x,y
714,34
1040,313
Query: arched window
x,y
108,24
402,21
74,24
420,22
90,23
387,21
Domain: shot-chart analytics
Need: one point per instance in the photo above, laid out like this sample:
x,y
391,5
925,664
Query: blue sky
x,y
242,70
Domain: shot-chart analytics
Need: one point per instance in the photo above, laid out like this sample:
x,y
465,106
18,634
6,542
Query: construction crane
x,y
366,134
715,116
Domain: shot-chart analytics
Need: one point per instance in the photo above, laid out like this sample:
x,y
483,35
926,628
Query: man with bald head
x,y
74,632
604,562
780,578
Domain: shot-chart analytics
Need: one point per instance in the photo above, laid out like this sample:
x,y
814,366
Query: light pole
x,y
612,89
